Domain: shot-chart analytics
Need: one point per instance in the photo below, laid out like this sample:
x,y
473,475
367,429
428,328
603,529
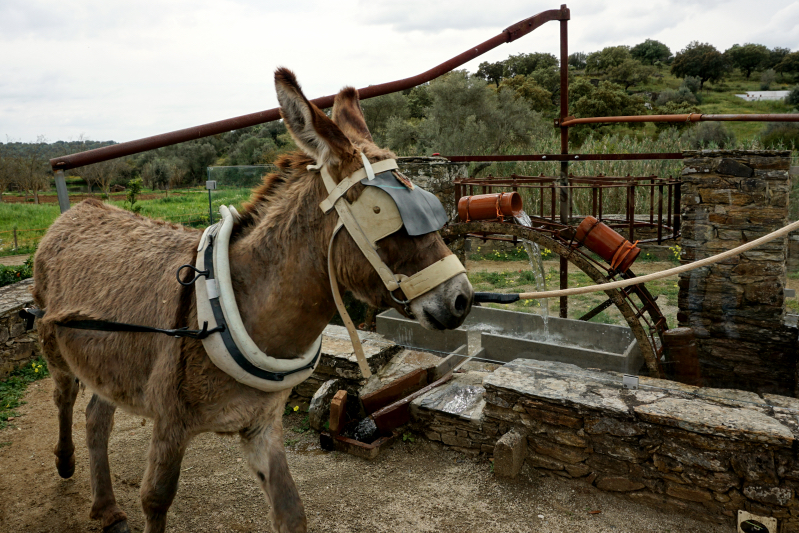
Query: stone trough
x,y
507,335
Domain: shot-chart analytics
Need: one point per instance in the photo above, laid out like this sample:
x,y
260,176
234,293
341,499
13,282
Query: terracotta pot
x,y
489,206
606,243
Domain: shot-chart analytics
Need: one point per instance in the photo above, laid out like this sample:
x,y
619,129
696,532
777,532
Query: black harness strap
x,y
30,313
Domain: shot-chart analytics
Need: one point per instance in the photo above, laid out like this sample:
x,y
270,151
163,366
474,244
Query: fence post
x,y
15,239
61,189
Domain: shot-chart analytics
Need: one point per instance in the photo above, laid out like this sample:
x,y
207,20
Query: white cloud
x,y
123,71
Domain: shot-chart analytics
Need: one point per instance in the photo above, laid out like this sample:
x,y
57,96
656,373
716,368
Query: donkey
x,y
98,262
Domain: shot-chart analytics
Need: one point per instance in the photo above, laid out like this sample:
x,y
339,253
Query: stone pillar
x,y
736,307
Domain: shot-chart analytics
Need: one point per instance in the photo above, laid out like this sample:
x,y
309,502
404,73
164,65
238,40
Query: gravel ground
x,y
415,486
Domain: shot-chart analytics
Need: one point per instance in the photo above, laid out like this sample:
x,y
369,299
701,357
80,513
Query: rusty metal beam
x,y
690,117
105,153
562,157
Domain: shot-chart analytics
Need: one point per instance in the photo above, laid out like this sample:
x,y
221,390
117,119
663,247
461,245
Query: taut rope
x,y
666,273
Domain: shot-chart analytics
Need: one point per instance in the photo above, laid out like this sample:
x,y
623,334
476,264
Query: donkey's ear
x,y
311,129
348,115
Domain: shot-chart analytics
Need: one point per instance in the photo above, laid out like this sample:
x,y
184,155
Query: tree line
x,y
504,107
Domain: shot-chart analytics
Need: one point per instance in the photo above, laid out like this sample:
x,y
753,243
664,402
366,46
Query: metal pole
x,y
563,179
61,189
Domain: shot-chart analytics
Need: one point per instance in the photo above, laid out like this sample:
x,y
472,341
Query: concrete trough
x,y
401,330
508,335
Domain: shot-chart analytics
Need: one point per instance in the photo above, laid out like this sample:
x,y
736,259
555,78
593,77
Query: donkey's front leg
x,y
160,482
263,446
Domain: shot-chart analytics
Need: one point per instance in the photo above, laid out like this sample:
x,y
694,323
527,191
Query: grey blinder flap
x,y
420,210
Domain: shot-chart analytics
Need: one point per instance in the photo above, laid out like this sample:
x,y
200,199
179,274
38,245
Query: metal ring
x,y
190,283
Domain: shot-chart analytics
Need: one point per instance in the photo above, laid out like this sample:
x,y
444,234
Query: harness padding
x,y
288,372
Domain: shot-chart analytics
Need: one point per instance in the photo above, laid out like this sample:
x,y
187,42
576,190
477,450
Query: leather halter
x,y
366,236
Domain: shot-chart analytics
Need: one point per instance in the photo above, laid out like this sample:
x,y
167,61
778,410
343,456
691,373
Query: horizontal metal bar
x,y
690,117
562,157
213,128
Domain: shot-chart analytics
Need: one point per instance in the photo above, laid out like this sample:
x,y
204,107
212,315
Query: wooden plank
x,y
338,411
396,390
398,413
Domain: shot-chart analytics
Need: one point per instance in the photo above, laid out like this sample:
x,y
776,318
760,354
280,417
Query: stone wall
x,y
736,307
698,451
435,175
17,346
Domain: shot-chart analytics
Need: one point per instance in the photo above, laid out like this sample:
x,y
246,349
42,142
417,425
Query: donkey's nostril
x,y
461,302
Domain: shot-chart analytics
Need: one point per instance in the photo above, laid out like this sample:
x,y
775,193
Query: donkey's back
x,y
98,262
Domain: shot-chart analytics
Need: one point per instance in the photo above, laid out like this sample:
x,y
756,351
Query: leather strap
x,y
342,310
336,191
431,277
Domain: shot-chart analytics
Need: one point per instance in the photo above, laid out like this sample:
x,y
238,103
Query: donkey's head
x,y
389,252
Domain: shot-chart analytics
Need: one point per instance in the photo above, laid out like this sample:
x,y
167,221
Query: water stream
x,y
537,267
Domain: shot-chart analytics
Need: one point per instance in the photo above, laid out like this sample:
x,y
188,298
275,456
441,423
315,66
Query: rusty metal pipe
x,y
105,153
562,157
690,117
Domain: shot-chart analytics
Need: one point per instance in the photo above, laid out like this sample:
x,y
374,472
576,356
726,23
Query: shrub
x,y
709,134
793,97
692,83
781,135
681,95
767,78
13,274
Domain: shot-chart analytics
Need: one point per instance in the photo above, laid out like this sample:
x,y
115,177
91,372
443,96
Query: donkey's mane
x,y
282,193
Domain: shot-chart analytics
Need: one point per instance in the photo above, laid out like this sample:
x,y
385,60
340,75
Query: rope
x,y
666,273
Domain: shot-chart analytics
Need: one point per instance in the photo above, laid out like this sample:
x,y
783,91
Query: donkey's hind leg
x,y
99,422
66,389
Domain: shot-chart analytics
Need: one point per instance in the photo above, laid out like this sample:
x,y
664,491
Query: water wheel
x,y
635,314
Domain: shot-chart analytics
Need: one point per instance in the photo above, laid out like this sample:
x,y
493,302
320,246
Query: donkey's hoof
x,y
66,467
117,527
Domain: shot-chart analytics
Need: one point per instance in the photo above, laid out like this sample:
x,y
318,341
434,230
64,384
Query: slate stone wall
x,y
17,346
699,451
736,307
435,175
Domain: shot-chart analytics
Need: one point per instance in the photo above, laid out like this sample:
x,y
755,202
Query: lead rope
x,y
342,311
666,273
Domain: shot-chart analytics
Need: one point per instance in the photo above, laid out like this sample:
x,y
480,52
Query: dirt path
x,y
14,260
413,487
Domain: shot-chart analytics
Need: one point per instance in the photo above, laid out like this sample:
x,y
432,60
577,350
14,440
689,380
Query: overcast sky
x,y
120,71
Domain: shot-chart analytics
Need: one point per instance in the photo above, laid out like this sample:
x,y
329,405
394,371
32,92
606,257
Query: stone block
x,y
542,461
769,494
319,410
618,484
692,494
607,465
731,167
564,454
510,452
578,470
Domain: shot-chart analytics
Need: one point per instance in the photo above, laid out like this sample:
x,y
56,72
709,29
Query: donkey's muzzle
x,y
446,306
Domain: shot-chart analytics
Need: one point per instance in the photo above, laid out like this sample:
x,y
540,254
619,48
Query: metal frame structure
x,y
561,182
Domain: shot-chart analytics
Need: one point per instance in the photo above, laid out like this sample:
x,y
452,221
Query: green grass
x,y
187,206
13,387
